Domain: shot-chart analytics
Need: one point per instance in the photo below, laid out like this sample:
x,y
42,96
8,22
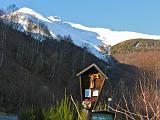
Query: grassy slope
x,y
136,45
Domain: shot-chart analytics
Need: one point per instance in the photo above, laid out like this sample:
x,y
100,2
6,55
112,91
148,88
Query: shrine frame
x,y
80,79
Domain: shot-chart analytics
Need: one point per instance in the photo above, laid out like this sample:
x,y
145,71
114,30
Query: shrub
x,y
31,114
62,111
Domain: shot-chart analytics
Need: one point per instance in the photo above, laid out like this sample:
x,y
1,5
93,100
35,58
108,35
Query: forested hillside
x,y
37,73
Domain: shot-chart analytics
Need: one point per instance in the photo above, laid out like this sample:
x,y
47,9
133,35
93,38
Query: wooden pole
x,y
88,116
110,104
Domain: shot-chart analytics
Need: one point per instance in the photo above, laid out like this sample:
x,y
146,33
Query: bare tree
x,y
143,101
12,8
2,42
2,12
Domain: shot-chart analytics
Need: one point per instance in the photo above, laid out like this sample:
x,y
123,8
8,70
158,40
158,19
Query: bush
x,y
31,114
62,111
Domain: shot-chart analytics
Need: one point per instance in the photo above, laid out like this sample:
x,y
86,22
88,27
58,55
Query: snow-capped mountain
x,y
81,35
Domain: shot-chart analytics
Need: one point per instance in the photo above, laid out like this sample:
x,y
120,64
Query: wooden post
x,y
110,104
88,114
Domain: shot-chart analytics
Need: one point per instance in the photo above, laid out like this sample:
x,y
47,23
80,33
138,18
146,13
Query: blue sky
x,y
125,15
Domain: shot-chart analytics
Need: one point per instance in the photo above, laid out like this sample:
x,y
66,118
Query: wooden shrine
x,y
91,83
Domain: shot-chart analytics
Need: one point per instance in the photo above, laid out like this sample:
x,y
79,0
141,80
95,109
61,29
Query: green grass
x,y
63,110
31,113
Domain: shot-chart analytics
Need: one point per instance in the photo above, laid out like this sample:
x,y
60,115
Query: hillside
x,y
135,45
137,73
37,73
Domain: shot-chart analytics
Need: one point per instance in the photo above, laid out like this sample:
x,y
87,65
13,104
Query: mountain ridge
x,y
91,37
50,19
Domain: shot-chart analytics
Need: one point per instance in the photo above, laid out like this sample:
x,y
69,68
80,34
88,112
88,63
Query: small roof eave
x,y
90,66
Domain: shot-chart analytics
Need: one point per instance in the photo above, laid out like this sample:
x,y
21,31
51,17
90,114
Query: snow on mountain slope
x,y
31,12
81,35
54,18
110,37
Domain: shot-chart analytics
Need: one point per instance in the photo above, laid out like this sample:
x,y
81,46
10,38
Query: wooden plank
x,y
81,88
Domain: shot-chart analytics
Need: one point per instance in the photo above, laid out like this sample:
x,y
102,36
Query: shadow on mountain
x,y
122,80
